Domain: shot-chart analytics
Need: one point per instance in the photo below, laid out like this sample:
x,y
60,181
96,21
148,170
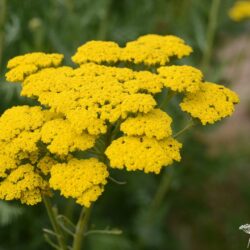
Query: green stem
x,y
160,193
81,228
168,97
187,127
211,30
56,227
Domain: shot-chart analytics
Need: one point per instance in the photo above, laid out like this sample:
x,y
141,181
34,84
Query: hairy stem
x,y
56,227
211,30
81,228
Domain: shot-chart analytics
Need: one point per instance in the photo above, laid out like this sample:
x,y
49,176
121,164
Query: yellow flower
x,y
154,124
62,139
18,119
41,60
211,103
143,81
142,153
137,103
20,72
24,184
97,108
80,179
25,65
155,49
98,52
240,11
181,78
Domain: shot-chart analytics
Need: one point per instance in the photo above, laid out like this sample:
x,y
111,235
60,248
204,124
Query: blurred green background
x,y
196,204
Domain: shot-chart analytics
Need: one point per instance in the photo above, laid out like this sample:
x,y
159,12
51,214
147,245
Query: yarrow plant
x,y
240,10
99,115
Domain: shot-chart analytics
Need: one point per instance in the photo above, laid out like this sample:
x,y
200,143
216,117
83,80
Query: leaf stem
x,y
55,225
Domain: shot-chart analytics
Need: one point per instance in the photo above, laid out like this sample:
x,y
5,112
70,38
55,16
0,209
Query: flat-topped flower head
x,y
211,103
181,78
41,60
20,72
25,65
23,184
98,52
62,139
96,115
80,179
154,124
143,153
240,11
18,119
155,49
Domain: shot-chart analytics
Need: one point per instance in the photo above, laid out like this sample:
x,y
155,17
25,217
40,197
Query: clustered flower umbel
x,y
99,115
240,10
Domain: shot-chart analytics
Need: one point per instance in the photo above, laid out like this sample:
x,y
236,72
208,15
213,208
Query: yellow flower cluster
x,y
181,78
103,108
143,153
80,179
211,103
24,184
62,139
154,124
25,65
155,49
98,52
19,134
240,11
149,49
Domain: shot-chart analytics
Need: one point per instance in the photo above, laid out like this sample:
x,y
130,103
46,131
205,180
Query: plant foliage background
x,y
207,195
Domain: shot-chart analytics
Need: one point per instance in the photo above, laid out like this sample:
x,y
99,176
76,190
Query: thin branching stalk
x,y
210,35
187,127
81,228
55,225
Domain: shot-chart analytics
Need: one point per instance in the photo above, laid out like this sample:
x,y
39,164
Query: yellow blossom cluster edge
x,y
98,115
